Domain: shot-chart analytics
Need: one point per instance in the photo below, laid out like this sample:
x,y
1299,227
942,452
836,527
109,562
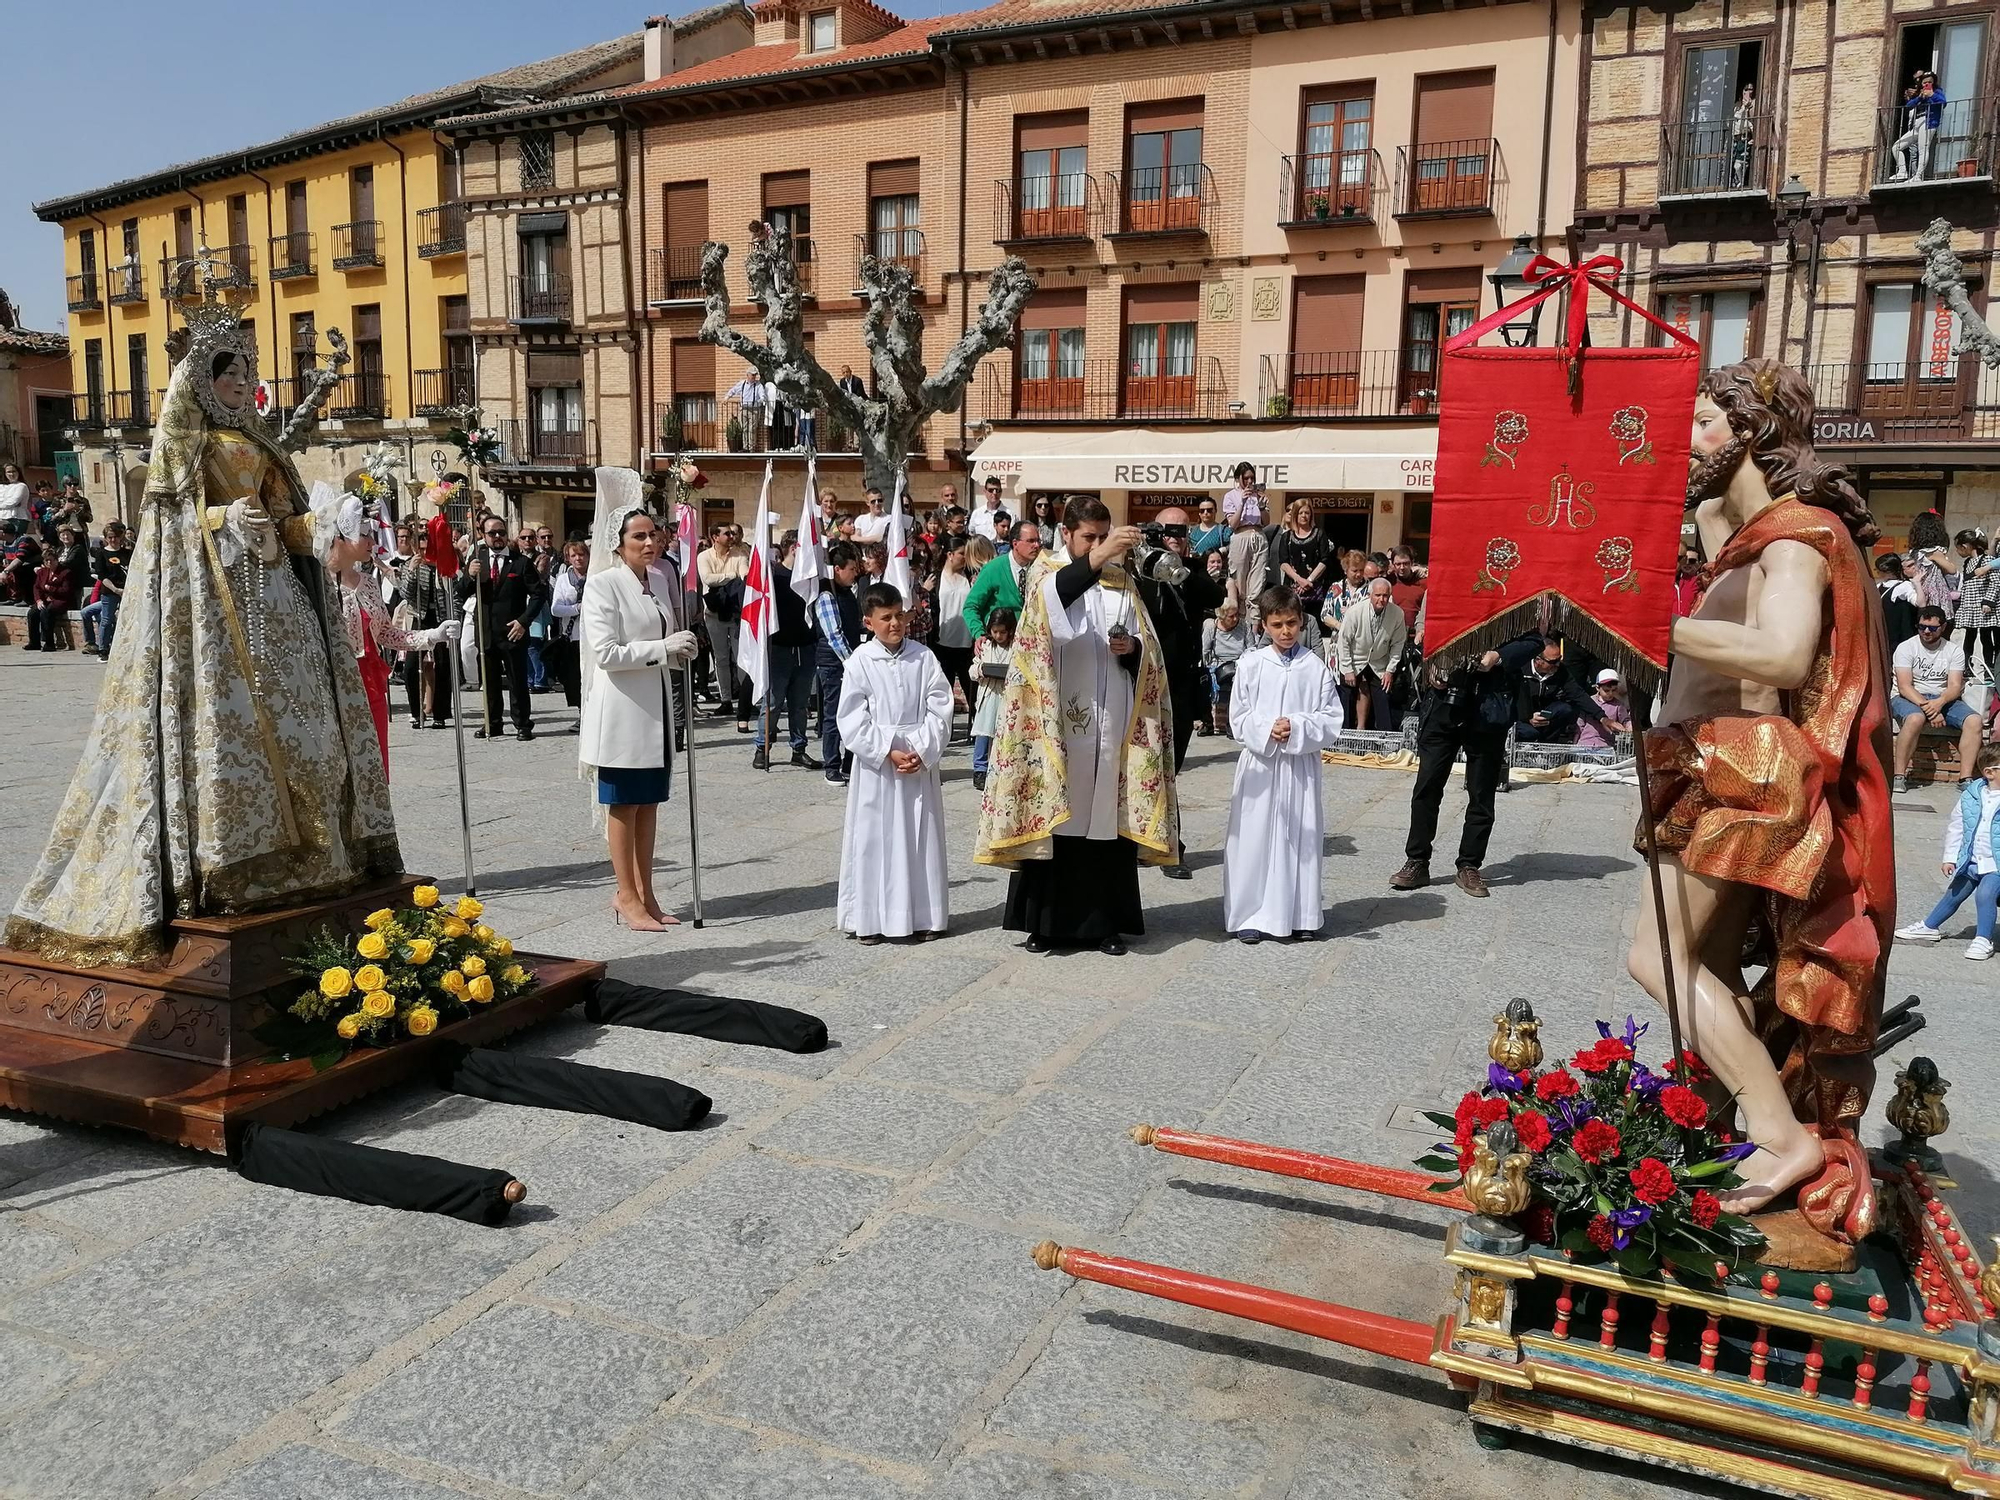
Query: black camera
x,y
1152,560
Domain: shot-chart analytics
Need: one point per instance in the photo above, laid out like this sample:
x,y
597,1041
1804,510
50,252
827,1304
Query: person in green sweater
x,y
998,585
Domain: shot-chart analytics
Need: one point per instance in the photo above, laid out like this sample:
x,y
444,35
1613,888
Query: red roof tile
x,y
907,40
1010,13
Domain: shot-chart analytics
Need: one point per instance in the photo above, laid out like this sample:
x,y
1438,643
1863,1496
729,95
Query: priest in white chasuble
x,y
1284,710
1081,784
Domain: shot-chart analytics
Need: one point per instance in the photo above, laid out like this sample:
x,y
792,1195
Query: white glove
x,y
254,529
450,631
681,647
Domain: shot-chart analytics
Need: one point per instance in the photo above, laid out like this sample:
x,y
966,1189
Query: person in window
x,y
1923,112
1742,135
749,396
851,382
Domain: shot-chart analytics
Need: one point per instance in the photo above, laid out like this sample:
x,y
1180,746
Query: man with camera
x,y
1178,596
1468,709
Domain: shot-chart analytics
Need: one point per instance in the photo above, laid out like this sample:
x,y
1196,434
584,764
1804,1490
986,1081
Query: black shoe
x,y
801,758
836,778
979,781
416,723
1113,947
761,761
1037,944
524,734
1306,935
1177,872
1250,935
440,723
479,734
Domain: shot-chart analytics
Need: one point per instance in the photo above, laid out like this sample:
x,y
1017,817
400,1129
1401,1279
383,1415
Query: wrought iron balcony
x,y
673,275
538,444
89,410
891,247
1327,189
86,291
1350,383
1958,149
278,399
441,231
1942,398
692,425
1442,179
359,397
127,282
1065,206
1162,200
1714,161
1105,390
293,255
439,392
357,245
538,299
128,409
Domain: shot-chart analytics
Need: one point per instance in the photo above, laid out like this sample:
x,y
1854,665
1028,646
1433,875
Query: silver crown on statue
x,y
215,327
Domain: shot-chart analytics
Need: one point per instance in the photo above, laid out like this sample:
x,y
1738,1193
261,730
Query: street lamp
x,y
1792,200
1510,280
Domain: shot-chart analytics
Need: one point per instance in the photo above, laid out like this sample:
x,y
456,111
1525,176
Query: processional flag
x,y
1561,484
897,539
753,634
810,563
438,549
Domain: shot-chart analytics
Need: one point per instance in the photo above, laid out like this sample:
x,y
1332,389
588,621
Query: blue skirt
x,y
623,786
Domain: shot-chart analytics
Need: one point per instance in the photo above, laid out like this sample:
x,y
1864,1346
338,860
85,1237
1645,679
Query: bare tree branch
x,y
1007,292
1944,274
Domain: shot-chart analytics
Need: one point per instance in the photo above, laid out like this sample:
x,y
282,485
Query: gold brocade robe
x,y
232,762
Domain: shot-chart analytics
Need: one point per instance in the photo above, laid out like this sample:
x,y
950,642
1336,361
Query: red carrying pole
x,y
1283,1161
1396,1338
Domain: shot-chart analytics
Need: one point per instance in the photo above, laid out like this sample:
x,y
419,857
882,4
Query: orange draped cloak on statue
x,y
1798,805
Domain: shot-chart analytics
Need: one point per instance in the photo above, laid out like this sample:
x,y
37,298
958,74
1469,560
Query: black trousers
x,y
48,628
1190,697
957,664
1438,744
1085,893
1382,711
560,657
413,682
508,662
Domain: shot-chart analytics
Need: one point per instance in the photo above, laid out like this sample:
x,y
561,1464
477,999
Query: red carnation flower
x,y
1596,1141
1600,1232
1652,1181
1491,1112
1689,1069
1532,1130
1602,1055
1557,1085
1707,1208
1683,1106
1468,1105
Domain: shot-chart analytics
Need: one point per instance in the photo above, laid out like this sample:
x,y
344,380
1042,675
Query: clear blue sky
x,y
114,89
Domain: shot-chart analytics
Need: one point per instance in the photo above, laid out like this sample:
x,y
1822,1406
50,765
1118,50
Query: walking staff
x,y
443,557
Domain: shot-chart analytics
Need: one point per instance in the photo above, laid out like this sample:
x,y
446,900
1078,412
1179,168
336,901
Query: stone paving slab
x,y
826,1292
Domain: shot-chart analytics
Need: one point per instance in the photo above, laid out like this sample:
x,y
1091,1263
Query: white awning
x,y
1301,459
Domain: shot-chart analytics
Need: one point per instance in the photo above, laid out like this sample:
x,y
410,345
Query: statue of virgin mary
x,y
232,762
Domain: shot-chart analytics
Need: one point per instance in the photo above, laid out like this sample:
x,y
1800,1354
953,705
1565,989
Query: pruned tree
x,y
886,425
1944,274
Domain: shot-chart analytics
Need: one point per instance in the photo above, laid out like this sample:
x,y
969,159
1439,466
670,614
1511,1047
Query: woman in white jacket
x,y
632,637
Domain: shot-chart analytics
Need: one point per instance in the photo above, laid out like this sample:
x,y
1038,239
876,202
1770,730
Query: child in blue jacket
x,y
1971,860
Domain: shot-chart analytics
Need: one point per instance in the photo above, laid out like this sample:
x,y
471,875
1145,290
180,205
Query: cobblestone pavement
x,y
828,1292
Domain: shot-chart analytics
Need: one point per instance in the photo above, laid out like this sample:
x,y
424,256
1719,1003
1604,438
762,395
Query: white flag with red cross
x,y
897,539
810,561
760,604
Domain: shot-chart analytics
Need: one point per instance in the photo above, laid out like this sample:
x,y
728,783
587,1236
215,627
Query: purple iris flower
x,y
1736,1152
1633,1031
1624,1221
1574,1110
1499,1078
1646,1082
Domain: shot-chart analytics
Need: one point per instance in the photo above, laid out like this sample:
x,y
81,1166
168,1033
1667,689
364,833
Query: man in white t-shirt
x,y
1930,684
980,523
873,525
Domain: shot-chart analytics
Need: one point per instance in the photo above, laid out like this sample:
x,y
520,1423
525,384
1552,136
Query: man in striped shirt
x,y
837,624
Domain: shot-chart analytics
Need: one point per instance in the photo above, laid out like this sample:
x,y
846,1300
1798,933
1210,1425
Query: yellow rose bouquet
x,y
405,972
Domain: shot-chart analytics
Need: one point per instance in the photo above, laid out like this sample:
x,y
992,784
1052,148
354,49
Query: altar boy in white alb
x,y
1284,710
895,718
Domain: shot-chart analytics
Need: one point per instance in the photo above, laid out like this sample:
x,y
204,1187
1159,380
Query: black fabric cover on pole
x,y
750,1022
368,1174
554,1083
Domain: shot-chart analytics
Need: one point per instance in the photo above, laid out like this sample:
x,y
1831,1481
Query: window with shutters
x,y
363,391
304,352
1049,364
1160,347
83,287
239,239
1163,168
788,211
1912,372
1051,176
1725,322
291,253
136,381
690,422
1437,304
93,381
895,215
1326,364
128,280
676,271
1448,167
541,291
1721,131
1336,173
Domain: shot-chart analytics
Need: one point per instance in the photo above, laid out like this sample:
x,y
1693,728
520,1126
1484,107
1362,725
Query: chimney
x,y
659,47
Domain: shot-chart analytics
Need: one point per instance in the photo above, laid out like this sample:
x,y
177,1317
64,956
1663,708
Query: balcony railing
x,y
281,399
673,275
359,396
128,409
441,231
891,247
1351,383
293,255
1713,160
732,428
1329,188
86,291
538,299
1046,210
1945,398
1162,200
127,281
1960,147
1446,177
438,392
89,409
1106,390
357,245
560,444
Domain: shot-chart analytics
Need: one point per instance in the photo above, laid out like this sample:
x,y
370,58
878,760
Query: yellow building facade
x,y
357,226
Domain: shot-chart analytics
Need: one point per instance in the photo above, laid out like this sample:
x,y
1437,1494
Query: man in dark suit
x,y
1549,699
1177,611
511,594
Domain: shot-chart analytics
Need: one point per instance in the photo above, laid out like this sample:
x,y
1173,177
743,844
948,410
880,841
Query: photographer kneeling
x,y
1178,596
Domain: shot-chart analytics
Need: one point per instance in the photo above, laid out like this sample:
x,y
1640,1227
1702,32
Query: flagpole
x,y
458,744
694,800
